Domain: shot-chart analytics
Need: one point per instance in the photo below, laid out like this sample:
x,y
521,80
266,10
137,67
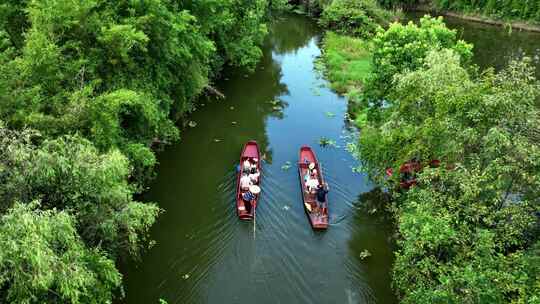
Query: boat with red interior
x,y
250,153
308,165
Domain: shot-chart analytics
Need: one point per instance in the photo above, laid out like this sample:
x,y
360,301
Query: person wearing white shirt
x,y
254,176
246,165
312,184
245,182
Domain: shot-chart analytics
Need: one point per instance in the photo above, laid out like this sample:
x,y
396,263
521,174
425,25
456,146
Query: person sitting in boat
x,y
254,176
246,166
311,167
249,196
245,182
254,164
312,184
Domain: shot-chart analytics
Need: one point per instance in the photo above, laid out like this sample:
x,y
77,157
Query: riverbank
x,y
478,18
418,100
347,62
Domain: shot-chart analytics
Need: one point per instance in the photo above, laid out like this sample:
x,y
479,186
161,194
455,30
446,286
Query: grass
x,y
347,62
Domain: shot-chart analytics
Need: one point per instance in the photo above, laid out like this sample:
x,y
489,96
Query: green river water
x,y
204,254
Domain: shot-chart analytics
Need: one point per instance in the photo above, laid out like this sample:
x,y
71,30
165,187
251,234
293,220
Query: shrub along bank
x,y
502,10
468,232
86,88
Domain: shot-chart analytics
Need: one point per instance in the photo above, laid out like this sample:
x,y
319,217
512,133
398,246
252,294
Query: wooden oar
x,y
254,221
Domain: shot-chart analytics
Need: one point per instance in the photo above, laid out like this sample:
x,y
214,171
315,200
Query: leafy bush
x,y
43,260
468,230
358,17
68,173
86,66
511,9
404,47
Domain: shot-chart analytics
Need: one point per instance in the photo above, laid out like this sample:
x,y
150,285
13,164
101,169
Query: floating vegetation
x,y
275,102
326,142
351,148
185,276
364,254
330,114
319,65
286,208
192,124
217,140
231,107
234,123
286,166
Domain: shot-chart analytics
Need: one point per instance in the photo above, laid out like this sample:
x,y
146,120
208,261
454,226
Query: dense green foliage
x,y
44,260
403,47
358,17
514,9
503,9
469,230
86,89
98,220
111,70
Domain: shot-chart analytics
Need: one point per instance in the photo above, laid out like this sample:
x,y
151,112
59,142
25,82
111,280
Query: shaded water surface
x,y
204,254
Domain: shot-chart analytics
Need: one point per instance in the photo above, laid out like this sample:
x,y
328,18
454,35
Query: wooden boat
x,y
250,152
409,170
317,213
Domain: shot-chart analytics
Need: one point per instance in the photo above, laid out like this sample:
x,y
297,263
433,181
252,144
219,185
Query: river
x,y
204,254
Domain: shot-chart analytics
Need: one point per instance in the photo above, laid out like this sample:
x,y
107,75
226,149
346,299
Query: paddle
x,y
257,192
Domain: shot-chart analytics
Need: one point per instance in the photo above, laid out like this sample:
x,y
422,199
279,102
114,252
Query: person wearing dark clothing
x,y
322,190
248,197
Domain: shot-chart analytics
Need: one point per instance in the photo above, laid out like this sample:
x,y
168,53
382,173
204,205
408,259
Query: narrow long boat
x,y
250,152
317,213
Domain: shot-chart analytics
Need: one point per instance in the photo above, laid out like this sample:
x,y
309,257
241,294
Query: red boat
x,y
408,171
317,214
250,153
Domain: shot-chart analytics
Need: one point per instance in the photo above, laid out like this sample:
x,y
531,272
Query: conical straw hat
x,y
255,189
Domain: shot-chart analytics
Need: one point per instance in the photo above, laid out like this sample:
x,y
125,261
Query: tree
x,y
359,17
403,48
469,228
69,174
43,260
